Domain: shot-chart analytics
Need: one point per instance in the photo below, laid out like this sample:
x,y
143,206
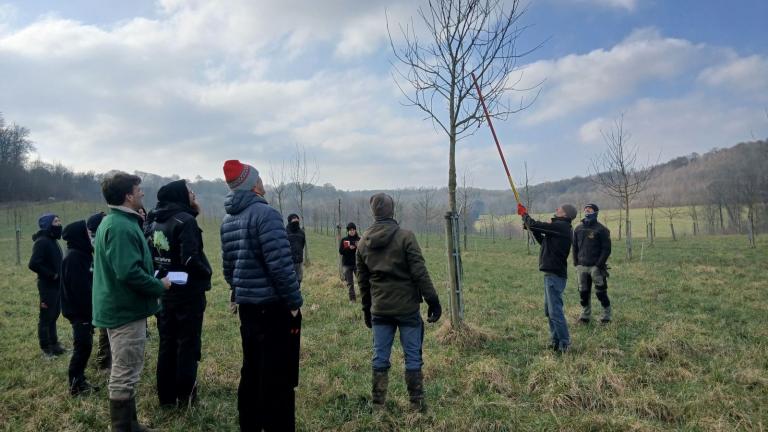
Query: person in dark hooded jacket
x,y
103,354
555,239
177,247
348,251
393,280
258,267
76,292
591,250
46,262
298,241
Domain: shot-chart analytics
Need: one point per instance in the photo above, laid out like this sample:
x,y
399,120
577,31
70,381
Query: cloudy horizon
x,y
177,87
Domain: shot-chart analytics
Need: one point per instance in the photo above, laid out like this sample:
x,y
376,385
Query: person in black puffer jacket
x,y
347,250
258,267
555,239
177,247
298,240
591,249
46,262
76,306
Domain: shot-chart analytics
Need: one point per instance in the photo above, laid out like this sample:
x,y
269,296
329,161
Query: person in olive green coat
x,y
393,279
125,293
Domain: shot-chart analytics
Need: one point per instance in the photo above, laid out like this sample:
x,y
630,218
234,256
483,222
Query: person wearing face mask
x,y
591,249
555,238
76,286
297,239
46,262
177,246
103,354
125,293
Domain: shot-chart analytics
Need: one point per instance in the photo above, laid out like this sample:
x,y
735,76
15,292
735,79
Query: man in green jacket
x,y
125,293
393,279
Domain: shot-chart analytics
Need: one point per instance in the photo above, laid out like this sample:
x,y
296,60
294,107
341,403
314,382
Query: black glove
x,y
367,317
434,311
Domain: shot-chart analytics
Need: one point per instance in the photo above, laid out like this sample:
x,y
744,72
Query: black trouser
x,y
349,272
588,276
50,308
103,352
82,341
266,397
180,329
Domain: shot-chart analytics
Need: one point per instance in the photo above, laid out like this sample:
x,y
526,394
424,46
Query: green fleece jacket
x,y
391,272
124,286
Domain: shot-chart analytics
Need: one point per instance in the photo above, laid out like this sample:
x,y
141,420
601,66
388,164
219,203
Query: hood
x,y
174,192
76,236
381,233
166,210
239,200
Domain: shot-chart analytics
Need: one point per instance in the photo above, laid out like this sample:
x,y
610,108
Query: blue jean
x,y
553,310
411,339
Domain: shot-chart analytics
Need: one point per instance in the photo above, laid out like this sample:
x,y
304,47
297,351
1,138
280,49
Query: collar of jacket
x,y
385,221
125,210
564,219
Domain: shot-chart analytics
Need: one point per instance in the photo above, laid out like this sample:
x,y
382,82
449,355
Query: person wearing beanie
x,y
125,293
394,280
103,352
259,269
347,250
555,238
298,241
46,262
76,292
176,242
591,250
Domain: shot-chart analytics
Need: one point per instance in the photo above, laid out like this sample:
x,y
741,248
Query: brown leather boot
x,y
414,380
379,391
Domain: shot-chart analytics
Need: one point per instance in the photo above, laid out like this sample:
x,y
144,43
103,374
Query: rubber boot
x,y
586,314
414,380
606,317
135,426
120,415
379,389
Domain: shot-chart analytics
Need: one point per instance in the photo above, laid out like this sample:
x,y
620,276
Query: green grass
x,y
688,349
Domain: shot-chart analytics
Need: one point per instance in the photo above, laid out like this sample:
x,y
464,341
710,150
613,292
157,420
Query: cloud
x,y
629,5
748,75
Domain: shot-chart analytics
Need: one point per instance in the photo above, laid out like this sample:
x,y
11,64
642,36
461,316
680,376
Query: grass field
x,y
688,349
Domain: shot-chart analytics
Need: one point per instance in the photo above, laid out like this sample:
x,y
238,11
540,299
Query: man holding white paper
x,y
177,250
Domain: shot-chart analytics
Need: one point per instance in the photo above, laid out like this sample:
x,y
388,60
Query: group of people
x,y
590,243
123,267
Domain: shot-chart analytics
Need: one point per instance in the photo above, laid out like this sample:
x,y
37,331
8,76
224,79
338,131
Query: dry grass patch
x,y
465,336
490,374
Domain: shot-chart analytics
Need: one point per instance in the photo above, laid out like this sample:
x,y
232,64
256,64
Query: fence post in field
x,y
17,228
338,239
629,239
454,268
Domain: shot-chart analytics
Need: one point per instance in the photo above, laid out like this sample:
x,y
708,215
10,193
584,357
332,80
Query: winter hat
x,y
570,211
240,176
175,191
351,225
94,221
593,207
293,216
46,221
383,206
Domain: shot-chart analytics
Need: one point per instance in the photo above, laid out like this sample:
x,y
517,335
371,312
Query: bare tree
x,y
467,194
618,173
464,38
278,177
426,205
672,213
304,178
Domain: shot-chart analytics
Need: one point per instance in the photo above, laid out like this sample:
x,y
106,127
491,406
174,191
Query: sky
x,y
179,86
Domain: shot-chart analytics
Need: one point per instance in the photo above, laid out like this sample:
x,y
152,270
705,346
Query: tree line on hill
x,y
724,190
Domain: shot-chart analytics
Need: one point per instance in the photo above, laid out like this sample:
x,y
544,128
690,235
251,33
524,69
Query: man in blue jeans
x,y
393,279
555,239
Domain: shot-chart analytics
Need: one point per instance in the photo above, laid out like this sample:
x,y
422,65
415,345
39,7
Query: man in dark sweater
x,y
555,240
591,249
46,262
297,240
76,292
347,250
393,280
177,247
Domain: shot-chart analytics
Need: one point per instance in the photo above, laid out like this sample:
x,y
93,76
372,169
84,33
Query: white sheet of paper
x,y
179,278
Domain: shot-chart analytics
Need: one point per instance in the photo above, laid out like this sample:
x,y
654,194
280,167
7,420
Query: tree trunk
x,y
628,225
672,228
751,227
454,269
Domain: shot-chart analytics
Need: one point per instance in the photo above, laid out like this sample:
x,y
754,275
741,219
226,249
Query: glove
x,y
434,311
521,210
367,318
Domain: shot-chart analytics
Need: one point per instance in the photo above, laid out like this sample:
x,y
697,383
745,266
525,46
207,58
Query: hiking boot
x,y
82,387
379,389
414,380
56,349
120,415
606,317
135,426
586,314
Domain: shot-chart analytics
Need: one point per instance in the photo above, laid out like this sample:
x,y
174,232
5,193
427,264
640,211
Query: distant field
x,y
688,349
